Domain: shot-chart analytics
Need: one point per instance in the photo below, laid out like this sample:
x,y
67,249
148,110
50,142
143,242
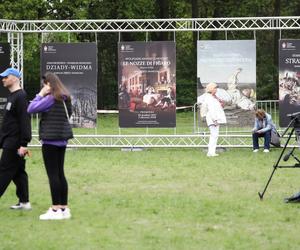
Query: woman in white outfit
x,y
214,117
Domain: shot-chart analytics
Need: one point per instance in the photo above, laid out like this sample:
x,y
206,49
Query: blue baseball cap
x,y
10,71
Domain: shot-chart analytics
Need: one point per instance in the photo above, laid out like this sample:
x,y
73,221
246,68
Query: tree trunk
x,y
195,14
276,32
216,13
163,13
276,50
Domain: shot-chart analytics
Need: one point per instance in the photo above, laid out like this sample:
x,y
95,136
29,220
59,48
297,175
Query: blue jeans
x,y
267,138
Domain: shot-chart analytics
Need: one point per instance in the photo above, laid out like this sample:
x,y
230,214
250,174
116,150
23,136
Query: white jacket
x,y
215,110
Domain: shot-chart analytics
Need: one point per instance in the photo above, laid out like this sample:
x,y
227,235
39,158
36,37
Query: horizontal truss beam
x,y
154,141
151,25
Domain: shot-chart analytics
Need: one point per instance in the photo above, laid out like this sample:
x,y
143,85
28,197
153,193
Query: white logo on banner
x,y
49,49
127,48
283,45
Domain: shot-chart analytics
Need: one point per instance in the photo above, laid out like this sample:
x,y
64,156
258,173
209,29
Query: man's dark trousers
x,y
12,168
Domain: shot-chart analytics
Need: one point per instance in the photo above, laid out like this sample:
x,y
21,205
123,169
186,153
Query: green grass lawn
x,y
159,199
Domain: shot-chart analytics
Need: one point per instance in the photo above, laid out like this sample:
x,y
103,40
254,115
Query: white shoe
x,y
52,215
66,214
266,150
212,155
255,150
21,206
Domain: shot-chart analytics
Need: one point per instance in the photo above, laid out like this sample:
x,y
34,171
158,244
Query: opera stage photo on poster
x,y
147,84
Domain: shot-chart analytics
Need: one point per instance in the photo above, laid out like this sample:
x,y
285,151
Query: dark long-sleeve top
x,y
16,126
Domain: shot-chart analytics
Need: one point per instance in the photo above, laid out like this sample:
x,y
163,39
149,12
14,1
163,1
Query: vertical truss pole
x,y
96,38
280,34
16,54
96,41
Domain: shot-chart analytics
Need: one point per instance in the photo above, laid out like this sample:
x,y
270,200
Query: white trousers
x,y
213,139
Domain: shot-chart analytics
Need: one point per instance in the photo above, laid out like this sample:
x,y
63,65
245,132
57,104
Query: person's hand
x,y
254,131
216,123
45,90
22,151
259,131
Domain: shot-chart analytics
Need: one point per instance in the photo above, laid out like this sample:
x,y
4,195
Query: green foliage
x,y
31,64
23,9
185,41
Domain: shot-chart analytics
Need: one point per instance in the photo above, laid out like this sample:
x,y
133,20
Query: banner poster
x,y
147,84
231,64
76,66
289,80
4,64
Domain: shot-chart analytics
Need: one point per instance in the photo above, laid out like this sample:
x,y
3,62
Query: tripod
x,y
294,122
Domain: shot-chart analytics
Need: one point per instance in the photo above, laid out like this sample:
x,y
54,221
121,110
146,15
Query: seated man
x,y
262,128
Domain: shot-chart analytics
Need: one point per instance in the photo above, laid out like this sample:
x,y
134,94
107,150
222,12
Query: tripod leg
x,y
261,195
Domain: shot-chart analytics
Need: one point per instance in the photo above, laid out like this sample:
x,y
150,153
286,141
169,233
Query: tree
x,y
267,41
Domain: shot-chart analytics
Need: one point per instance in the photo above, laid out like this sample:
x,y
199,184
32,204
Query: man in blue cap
x,y
15,134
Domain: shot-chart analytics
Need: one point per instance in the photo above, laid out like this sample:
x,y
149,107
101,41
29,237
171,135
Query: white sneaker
x,y
66,214
52,215
212,155
255,150
266,150
21,206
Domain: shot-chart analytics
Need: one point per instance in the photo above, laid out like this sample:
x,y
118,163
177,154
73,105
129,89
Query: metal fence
x,y
270,106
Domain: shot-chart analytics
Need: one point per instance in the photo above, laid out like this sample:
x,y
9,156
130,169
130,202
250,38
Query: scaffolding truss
x,y
155,141
151,25
17,28
16,53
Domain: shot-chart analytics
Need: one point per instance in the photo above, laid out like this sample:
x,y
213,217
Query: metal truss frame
x,y
16,54
16,28
151,25
140,141
155,141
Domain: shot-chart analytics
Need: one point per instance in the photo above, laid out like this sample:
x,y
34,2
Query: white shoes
x,y
21,206
56,215
212,155
66,213
52,215
265,151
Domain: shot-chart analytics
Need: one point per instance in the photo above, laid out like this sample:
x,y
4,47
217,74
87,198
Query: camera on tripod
x,y
295,119
295,122
295,126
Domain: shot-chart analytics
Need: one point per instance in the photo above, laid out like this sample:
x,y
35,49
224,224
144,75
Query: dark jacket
x,y
16,126
54,124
